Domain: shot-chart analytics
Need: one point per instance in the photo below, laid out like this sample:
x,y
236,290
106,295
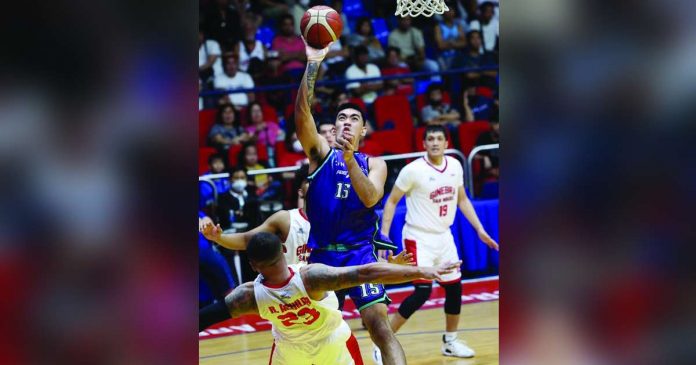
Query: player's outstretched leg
x,y
411,304
451,346
375,317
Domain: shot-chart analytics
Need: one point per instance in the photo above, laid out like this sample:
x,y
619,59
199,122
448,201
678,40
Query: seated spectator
x,y
240,203
250,50
336,60
222,21
295,153
474,56
487,25
490,157
395,66
273,75
233,79
216,165
481,106
410,41
270,9
266,188
227,131
438,112
209,59
290,47
365,36
327,129
261,130
361,69
449,38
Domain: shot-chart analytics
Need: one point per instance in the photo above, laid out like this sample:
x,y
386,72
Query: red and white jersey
x,y
431,193
295,245
296,318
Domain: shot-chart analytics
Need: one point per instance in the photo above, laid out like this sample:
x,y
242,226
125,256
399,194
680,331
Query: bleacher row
x,y
395,131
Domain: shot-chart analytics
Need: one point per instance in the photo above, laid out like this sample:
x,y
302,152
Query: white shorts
x,y
431,249
341,349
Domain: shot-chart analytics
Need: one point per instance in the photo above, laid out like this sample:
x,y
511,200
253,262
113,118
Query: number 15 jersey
x,y
334,209
431,193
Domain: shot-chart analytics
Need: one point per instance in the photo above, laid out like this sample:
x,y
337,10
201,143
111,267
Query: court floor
x,y
420,337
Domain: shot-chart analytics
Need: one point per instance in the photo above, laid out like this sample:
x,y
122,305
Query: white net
x,y
420,7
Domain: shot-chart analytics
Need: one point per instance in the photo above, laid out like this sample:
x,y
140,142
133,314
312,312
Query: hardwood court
x,y
421,338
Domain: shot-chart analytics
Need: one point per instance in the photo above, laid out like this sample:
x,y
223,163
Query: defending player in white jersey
x,y
434,188
291,226
299,302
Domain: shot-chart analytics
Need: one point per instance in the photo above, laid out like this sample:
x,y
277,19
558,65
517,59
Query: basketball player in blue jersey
x,y
344,190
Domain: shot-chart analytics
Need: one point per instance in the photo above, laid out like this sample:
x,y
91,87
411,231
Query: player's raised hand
x,y
345,142
403,258
211,232
435,273
485,238
314,54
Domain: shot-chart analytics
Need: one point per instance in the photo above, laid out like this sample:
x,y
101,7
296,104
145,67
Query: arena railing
x,y
414,75
469,164
402,156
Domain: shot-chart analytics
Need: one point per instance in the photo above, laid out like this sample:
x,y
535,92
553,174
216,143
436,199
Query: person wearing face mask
x,y
240,203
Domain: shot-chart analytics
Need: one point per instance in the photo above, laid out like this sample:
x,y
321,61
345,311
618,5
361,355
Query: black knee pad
x,y
453,298
415,300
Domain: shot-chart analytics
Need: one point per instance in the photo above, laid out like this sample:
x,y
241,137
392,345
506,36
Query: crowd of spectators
x,y
248,45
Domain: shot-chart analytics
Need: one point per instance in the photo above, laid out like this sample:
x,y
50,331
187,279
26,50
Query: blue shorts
x,y
363,295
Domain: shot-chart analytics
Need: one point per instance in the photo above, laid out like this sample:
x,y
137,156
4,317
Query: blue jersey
x,y
337,215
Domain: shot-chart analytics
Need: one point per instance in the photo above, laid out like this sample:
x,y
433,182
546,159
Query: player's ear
x,y
363,130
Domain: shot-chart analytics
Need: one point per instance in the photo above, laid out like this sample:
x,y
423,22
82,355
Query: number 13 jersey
x,y
431,193
296,318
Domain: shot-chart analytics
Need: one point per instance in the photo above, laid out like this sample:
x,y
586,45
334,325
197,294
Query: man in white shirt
x,y
209,56
434,189
232,79
487,25
359,70
410,42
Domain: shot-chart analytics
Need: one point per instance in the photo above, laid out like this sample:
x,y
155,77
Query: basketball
x,y
321,25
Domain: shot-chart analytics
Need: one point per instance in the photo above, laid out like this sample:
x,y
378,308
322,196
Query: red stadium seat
x,y
233,155
285,157
359,102
469,132
421,100
372,147
269,113
484,91
391,141
203,154
262,152
206,119
397,110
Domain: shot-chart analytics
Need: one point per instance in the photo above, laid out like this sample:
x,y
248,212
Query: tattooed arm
x,y
320,278
314,145
241,300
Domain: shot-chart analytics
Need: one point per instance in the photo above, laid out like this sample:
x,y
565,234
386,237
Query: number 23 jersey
x,y
295,317
431,193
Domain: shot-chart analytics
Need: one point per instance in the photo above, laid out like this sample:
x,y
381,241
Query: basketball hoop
x,y
420,7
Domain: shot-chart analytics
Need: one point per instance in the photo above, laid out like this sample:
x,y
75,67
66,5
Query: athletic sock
x,y
449,336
